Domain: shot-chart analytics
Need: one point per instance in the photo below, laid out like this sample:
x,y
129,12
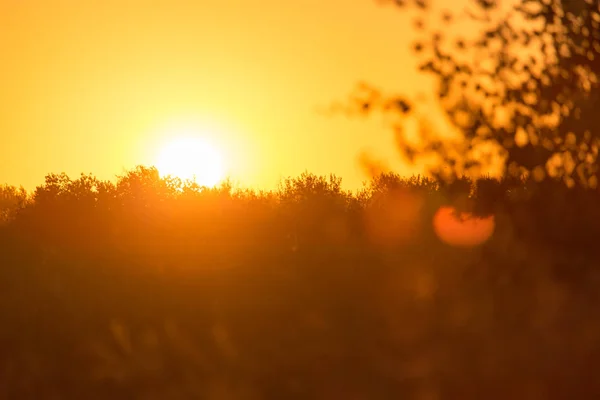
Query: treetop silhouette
x,y
520,88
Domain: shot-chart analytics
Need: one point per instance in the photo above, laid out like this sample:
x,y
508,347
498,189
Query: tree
x,y
11,200
524,89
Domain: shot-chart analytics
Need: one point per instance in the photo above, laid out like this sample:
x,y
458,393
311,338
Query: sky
x,y
100,86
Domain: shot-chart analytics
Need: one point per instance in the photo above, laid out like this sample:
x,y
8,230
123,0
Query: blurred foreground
x,y
154,289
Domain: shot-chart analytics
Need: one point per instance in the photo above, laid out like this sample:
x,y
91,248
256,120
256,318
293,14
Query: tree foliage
x,y
150,287
518,80
11,200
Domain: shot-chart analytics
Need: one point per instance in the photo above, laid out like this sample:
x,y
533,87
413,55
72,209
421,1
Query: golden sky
x,y
99,85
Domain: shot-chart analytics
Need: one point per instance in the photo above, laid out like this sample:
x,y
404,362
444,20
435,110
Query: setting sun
x,y
191,158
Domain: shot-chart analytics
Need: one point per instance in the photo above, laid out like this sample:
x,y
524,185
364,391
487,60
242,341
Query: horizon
x,y
227,180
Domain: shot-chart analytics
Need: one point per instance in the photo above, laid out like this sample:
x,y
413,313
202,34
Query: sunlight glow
x,y
191,158
464,230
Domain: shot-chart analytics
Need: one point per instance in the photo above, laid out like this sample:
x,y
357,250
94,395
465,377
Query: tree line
x,y
150,287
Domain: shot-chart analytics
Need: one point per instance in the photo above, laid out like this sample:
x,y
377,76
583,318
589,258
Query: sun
x,y
191,158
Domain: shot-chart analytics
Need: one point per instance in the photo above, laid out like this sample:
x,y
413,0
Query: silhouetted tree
x,y
521,84
11,200
150,287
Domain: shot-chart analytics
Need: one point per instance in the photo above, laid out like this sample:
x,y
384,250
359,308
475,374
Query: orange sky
x,y
94,85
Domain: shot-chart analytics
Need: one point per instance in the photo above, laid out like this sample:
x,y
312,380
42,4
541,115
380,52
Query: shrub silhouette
x,y
150,287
